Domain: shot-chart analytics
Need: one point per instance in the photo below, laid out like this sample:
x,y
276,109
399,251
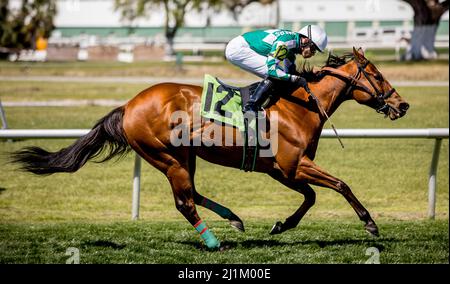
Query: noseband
x,y
355,82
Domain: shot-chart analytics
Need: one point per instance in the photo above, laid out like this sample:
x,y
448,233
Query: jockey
x,y
270,54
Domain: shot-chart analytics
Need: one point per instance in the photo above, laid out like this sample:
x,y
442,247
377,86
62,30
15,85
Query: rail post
x,y
432,179
3,116
136,188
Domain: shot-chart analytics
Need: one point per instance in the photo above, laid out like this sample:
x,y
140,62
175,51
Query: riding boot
x,y
258,96
250,110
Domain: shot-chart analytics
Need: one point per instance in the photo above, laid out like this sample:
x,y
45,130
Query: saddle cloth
x,y
223,103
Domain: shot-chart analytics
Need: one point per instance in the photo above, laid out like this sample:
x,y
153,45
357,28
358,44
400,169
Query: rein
x,y
319,105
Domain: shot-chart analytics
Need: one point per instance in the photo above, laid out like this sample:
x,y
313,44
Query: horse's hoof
x,y
210,249
372,229
224,248
277,228
238,225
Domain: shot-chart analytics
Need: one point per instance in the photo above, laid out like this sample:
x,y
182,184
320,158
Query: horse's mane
x,y
333,61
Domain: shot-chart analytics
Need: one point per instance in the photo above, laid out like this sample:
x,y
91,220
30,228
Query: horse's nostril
x,y
404,106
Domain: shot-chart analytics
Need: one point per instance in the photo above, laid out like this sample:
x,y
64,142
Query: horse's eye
x,y
378,77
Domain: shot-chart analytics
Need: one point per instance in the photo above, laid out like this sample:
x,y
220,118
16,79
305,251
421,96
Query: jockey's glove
x,y
299,81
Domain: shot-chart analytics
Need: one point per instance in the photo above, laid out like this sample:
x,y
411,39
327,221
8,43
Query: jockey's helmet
x,y
317,35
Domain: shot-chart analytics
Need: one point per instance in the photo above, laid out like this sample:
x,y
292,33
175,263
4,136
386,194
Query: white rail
x,y
431,133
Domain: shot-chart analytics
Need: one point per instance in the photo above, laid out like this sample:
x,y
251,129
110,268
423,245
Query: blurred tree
x,y
20,28
236,6
175,10
427,14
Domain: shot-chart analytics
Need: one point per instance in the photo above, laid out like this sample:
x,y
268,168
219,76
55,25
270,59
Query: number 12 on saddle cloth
x,y
223,103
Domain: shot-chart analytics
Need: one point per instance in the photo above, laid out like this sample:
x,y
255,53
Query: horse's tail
x,y
107,134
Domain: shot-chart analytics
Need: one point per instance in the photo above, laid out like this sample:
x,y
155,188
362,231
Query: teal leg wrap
x,y
209,238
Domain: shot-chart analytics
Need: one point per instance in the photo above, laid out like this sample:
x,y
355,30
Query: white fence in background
x,y
431,133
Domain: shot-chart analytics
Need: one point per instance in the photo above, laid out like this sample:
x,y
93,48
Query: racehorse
x,y
144,124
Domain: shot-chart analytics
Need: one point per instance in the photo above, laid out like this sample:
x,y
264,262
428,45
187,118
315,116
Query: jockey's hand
x,y
299,81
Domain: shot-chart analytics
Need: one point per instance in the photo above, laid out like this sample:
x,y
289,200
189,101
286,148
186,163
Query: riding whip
x,y
319,105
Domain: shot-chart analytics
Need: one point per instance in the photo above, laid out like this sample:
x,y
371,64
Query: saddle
x,y
245,92
223,103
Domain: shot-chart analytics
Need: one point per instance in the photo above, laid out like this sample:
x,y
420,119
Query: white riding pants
x,y
239,53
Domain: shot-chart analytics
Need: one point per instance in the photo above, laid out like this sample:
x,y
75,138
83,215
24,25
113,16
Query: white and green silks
x,y
265,52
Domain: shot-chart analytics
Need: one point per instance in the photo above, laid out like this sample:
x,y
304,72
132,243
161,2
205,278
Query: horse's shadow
x,y
105,244
259,243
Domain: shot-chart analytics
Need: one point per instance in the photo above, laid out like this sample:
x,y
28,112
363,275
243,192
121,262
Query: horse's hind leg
x,y
182,186
217,208
293,220
311,173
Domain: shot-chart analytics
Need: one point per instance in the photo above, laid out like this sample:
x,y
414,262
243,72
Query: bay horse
x,y
144,124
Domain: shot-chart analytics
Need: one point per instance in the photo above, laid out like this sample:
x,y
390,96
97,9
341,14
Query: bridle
x,y
355,82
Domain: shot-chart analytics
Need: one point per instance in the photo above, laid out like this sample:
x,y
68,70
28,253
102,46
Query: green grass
x,y
436,70
37,91
102,69
332,241
40,217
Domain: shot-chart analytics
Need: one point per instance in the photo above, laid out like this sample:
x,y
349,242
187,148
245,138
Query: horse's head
x,y
374,90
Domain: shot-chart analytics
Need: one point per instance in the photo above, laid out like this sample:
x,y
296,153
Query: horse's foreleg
x,y
293,220
217,208
309,172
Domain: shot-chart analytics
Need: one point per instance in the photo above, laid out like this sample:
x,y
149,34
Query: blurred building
x,y
341,18
369,23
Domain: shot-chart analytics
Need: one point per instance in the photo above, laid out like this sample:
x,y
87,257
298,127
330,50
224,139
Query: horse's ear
x,y
359,54
361,51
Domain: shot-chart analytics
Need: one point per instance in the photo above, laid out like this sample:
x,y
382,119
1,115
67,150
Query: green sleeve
x,y
277,54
